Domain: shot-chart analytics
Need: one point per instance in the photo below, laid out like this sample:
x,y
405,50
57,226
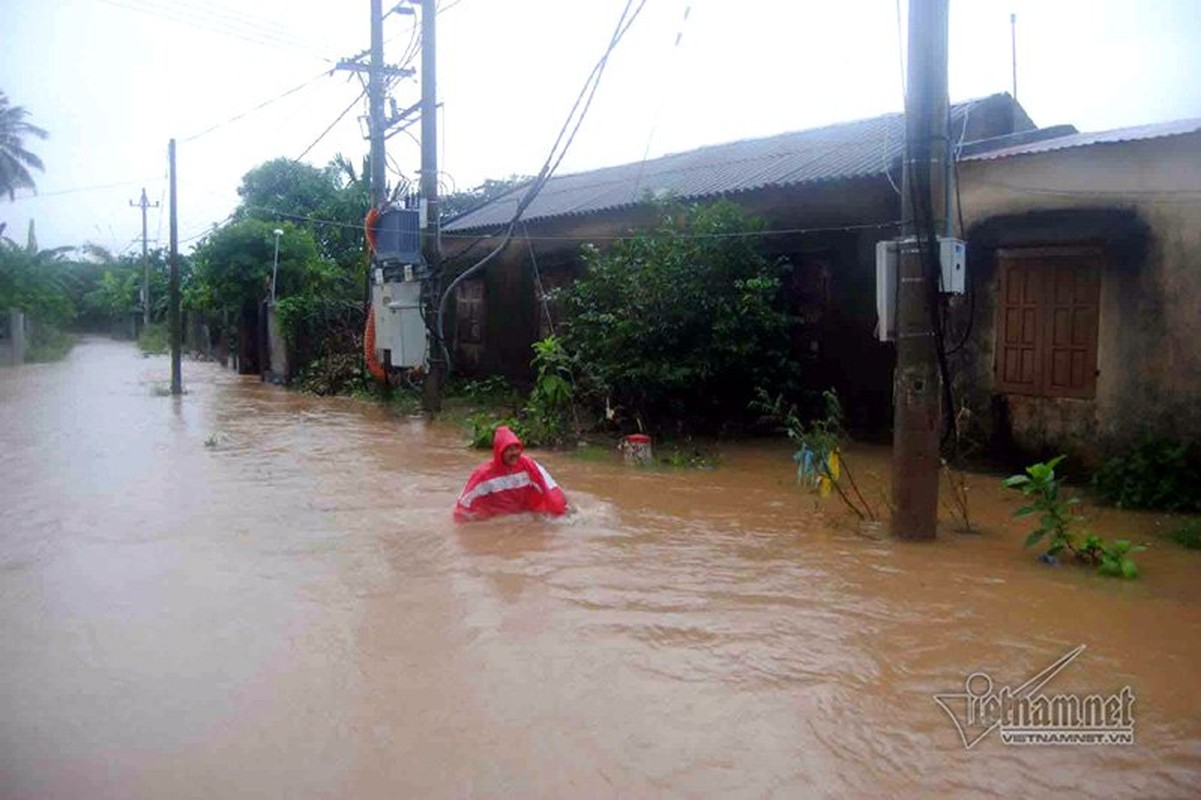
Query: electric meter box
x,y
399,326
886,289
952,255
952,258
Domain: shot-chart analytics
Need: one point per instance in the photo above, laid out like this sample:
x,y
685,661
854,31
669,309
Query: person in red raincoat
x,y
510,483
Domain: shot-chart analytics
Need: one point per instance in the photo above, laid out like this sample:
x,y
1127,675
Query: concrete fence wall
x,y
13,340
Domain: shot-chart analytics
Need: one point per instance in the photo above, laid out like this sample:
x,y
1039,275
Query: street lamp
x,y
275,263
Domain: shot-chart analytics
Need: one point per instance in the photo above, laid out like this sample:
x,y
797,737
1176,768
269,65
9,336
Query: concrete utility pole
x,y
1013,49
375,101
145,204
431,242
173,285
918,383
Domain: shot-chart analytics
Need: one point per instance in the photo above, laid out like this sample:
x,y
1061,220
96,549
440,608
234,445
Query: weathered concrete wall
x,y
12,338
1141,202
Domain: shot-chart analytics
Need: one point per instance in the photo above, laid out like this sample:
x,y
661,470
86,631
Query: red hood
x,y
502,439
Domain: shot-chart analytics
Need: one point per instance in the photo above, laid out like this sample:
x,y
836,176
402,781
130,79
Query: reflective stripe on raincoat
x,y
495,488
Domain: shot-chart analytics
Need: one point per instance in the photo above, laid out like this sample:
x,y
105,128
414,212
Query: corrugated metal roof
x,y
835,152
1135,134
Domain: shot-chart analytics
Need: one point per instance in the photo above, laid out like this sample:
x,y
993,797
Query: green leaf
x,y
1129,568
1110,568
1034,538
1014,481
1025,511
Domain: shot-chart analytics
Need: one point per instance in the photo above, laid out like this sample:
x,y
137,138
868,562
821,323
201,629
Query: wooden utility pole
x,y
431,242
173,286
145,204
918,382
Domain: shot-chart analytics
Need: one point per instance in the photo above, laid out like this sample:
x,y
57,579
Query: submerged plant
x,y
821,462
1056,520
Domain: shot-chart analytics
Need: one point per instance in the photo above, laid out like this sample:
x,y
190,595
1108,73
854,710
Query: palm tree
x,y
15,160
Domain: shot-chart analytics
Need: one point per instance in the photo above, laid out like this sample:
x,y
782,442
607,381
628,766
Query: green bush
x,y
1158,473
337,373
48,343
1188,535
482,427
494,390
1056,520
685,321
154,340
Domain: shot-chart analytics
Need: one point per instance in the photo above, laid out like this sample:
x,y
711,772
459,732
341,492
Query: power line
x,y
665,84
206,230
325,132
258,107
95,187
582,103
195,18
600,237
690,236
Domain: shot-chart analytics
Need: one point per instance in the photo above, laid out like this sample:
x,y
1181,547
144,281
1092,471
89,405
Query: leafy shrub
x,y
820,459
493,389
546,419
1188,535
1158,473
684,321
337,373
1055,520
482,427
48,343
154,340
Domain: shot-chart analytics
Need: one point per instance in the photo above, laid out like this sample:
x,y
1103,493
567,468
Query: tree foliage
x,y
233,266
687,320
15,159
329,202
36,281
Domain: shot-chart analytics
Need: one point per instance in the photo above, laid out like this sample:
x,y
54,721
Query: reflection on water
x,y
291,612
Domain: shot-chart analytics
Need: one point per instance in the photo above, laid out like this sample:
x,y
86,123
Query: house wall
x,y
1141,203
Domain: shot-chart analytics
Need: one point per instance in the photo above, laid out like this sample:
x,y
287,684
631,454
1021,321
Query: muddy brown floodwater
x,y
252,593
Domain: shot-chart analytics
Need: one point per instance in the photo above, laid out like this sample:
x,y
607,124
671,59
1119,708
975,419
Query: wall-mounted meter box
x,y
952,255
952,258
887,262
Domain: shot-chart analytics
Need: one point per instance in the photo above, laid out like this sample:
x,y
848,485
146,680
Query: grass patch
x,y
1188,535
674,457
594,452
154,340
47,346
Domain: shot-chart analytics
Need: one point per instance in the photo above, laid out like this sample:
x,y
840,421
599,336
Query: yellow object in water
x,y
825,483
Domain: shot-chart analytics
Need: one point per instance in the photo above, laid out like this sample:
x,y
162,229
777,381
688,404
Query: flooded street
x,y
247,592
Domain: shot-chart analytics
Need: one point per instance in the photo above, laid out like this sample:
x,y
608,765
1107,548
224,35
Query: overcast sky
x,y
113,80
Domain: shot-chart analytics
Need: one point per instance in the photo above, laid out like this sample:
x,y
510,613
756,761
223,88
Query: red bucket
x,y
636,448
